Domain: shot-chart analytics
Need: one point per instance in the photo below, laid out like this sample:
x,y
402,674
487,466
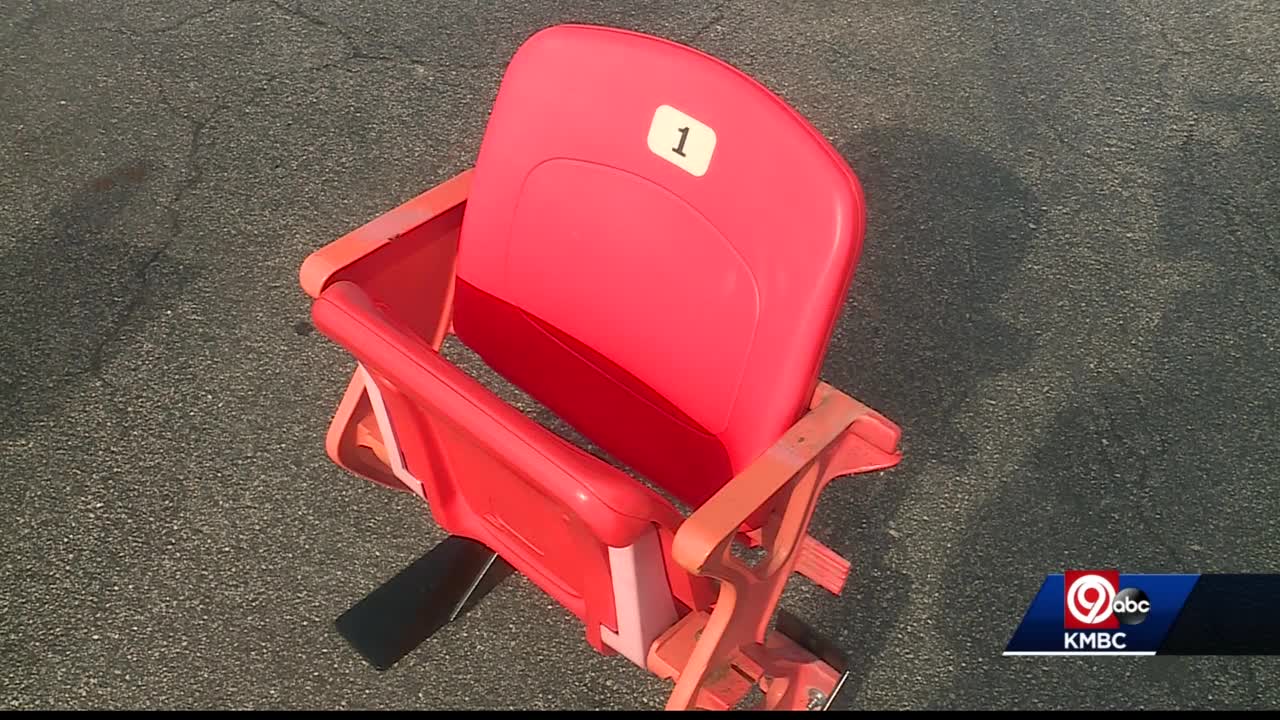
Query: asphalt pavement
x,y
1069,299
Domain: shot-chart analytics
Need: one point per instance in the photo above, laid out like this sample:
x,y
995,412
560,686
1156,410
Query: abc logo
x,y
1095,600
1131,606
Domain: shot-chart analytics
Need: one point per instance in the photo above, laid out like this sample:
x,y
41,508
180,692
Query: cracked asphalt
x,y
1070,300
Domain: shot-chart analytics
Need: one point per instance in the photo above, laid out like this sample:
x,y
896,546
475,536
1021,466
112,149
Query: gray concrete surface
x,y
1068,299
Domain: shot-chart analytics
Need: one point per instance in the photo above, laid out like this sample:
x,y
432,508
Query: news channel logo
x,y
1101,612
1106,612
1094,600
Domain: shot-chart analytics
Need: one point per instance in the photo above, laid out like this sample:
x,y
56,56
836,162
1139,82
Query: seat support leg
x,y
431,592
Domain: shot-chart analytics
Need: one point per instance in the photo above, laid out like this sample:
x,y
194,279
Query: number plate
x,y
681,140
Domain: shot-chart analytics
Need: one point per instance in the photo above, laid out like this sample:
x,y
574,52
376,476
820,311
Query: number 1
x,y
679,148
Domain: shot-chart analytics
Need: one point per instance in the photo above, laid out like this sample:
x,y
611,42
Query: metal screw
x,y
816,699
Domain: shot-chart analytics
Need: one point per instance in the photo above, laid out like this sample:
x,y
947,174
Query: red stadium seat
x,y
655,248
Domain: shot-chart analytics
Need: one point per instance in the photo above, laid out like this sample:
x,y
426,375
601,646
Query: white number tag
x,y
681,140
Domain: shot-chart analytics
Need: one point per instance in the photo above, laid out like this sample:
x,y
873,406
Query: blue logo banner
x,y
1101,613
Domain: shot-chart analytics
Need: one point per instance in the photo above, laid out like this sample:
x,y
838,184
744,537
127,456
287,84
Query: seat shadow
x,y
948,229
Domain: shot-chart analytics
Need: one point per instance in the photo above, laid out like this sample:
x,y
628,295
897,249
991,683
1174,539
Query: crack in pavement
x,y
354,50
194,170
193,17
717,15
142,275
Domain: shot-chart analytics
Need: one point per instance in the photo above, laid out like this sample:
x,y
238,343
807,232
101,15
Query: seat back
x,y
656,248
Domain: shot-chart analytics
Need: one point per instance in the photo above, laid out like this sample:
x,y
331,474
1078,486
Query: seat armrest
x,y
327,264
844,434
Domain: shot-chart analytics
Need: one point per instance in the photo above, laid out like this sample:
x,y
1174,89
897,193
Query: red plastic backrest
x,y
656,248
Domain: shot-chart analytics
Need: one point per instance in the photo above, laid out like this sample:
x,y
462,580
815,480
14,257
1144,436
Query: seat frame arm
x,y
837,436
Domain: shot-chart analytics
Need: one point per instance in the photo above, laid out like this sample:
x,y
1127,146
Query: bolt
x,y
816,699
